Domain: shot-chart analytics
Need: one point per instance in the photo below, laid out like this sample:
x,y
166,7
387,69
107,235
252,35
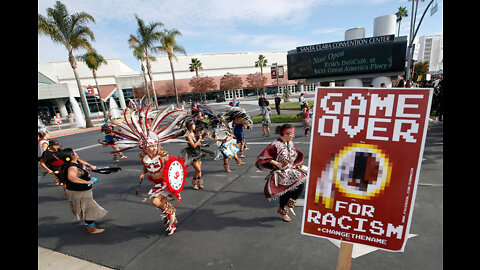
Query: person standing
x,y
287,175
261,102
266,121
278,100
301,101
51,160
75,176
43,141
306,119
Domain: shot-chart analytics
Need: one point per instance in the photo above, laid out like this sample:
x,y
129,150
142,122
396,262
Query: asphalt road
x,y
229,224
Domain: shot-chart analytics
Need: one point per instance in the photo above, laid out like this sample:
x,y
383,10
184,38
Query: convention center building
x,y
117,80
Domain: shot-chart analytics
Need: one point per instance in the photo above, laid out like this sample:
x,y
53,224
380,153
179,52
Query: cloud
x,y
328,30
268,42
186,12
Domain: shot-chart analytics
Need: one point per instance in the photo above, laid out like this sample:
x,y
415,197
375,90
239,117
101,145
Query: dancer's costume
x,y
192,154
111,139
307,121
226,143
235,113
238,112
285,180
173,172
208,112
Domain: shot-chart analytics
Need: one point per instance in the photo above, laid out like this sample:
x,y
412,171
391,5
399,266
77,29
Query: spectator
x,y
266,122
277,103
301,101
261,102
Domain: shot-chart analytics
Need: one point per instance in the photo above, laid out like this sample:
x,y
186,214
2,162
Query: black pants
x,y
291,194
278,109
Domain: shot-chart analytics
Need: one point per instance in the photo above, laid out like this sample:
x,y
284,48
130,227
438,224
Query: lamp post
x,y
276,74
413,34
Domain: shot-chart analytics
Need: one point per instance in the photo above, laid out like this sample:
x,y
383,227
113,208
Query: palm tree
x,y
196,65
401,13
169,46
94,61
140,55
72,32
261,62
145,38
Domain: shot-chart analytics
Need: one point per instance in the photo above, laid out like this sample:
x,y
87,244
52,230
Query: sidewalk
x,y
67,128
52,260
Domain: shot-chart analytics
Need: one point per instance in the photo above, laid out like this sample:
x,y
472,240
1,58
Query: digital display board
x,y
370,58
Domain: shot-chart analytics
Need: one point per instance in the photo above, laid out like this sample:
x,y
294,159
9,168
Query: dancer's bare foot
x,y
286,218
172,230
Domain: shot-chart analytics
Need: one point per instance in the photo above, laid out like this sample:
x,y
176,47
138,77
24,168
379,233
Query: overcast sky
x,y
216,26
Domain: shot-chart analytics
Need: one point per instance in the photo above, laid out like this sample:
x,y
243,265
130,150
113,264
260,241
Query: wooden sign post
x,y
344,256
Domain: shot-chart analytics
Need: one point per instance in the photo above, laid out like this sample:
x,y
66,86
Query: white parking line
x,y
86,147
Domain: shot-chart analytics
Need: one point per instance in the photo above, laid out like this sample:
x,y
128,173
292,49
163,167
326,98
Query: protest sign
x,y
365,155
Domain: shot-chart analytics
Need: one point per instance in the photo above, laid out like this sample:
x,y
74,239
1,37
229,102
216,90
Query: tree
x,y
139,53
144,40
420,69
169,46
195,65
256,81
401,13
94,61
139,92
230,82
261,62
202,85
72,32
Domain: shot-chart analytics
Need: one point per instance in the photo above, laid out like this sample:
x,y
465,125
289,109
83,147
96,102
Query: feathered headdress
x,y
145,125
237,112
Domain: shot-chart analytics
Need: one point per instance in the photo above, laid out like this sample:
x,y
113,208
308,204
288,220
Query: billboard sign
x,y
365,156
345,59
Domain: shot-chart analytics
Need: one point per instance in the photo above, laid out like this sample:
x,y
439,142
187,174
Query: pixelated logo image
x,y
360,171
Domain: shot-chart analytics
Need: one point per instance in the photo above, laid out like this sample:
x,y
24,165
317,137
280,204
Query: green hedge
x,y
282,118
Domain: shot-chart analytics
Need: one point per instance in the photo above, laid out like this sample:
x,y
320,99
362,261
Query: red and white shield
x,y
174,174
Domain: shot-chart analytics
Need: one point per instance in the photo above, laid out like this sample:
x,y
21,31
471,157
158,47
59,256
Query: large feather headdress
x,y
137,129
237,112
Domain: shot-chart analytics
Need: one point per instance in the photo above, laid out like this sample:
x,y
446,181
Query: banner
x,y
365,156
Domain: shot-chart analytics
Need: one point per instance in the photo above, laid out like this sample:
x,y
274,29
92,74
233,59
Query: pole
x,y
344,256
276,73
413,33
409,49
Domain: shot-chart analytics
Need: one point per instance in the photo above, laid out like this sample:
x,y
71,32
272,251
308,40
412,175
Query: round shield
x,y
174,174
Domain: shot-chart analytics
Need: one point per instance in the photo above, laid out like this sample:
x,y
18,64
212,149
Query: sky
x,y
218,26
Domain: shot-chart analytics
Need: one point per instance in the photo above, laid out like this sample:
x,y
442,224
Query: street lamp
x,y
413,34
276,74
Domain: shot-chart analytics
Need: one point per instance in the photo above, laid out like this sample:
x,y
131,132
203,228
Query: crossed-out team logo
x,y
360,171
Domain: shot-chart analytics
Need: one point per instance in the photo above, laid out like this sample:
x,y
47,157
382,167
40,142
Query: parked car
x,y
220,98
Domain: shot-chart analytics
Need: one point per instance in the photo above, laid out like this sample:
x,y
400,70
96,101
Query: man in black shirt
x,y
277,103
261,102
